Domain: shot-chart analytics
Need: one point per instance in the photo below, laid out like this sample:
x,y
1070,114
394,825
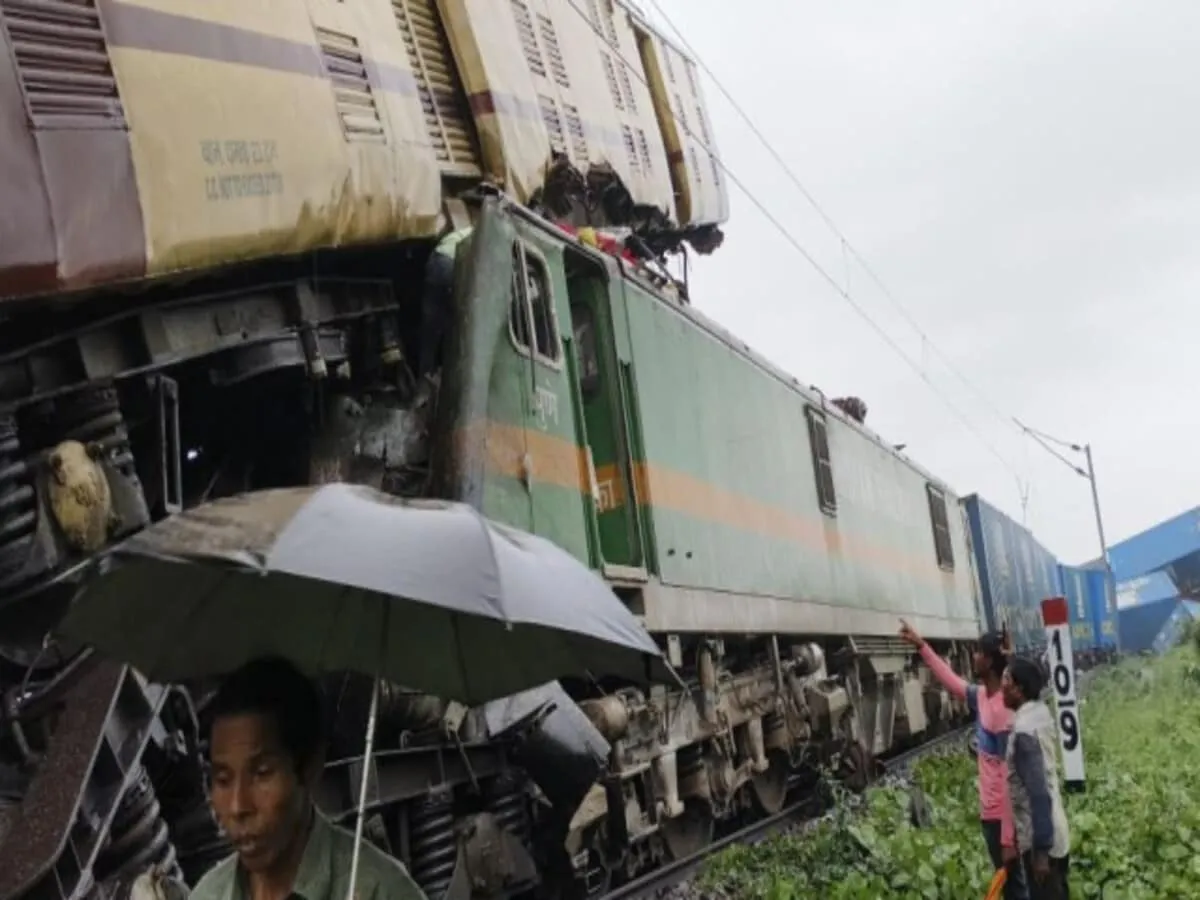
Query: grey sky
x,y
1025,178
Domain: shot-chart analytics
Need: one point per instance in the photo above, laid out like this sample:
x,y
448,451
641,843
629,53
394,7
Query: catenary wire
x,y
847,245
807,256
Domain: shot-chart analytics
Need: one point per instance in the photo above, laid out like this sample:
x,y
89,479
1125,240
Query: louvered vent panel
x,y
554,55
627,85
681,114
448,120
351,88
63,63
631,149
703,126
614,86
553,121
610,27
528,37
644,151
579,143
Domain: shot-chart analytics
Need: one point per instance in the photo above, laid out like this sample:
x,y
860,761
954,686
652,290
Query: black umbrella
x,y
428,595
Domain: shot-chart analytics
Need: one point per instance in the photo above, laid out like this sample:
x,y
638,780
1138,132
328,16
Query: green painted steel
x,y
661,398
713,413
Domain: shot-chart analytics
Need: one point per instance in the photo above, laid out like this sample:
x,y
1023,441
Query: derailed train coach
x,y
214,287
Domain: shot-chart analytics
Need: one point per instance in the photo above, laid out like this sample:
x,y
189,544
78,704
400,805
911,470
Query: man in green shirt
x,y
266,752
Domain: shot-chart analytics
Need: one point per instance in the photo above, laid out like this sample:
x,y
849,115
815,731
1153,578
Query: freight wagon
x,y
1103,601
215,286
1092,607
1016,573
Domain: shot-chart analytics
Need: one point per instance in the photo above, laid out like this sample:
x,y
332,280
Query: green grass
x,y
1135,833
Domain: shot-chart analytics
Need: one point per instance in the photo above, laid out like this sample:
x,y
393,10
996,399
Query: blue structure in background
x,y
1016,573
1145,589
1172,630
1140,625
1171,547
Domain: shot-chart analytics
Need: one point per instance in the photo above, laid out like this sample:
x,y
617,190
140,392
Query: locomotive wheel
x,y
770,787
690,832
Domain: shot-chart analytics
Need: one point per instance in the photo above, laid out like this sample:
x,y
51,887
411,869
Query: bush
x,y
1135,833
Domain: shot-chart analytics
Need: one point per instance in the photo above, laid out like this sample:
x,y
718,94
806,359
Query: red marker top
x,y
1054,611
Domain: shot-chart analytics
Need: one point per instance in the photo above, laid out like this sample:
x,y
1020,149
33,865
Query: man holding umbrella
x,y
266,753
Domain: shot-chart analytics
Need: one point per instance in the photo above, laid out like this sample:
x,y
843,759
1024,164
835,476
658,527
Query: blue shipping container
x,y
1172,630
1145,589
1102,599
1185,574
1140,625
1075,585
1016,573
1157,547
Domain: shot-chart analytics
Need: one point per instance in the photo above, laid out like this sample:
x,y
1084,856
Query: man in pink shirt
x,y
993,724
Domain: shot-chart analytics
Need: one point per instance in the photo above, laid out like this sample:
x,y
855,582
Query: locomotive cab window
x,y
532,320
818,439
941,527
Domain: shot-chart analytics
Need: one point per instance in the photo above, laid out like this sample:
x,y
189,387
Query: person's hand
x,y
1041,867
1009,855
909,634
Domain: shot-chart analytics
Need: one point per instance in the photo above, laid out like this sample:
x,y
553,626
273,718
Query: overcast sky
x,y
1025,179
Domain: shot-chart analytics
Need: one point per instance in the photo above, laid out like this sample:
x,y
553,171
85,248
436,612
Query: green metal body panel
x,y
711,440
711,411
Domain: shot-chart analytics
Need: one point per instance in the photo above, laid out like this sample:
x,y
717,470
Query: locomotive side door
x,y
602,399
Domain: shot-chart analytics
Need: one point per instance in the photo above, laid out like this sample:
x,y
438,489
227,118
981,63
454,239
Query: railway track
x,y
804,810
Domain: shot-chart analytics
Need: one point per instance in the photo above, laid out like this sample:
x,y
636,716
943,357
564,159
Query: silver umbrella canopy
x,y
426,594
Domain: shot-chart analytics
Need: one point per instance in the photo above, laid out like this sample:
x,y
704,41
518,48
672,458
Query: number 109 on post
x,y
1056,619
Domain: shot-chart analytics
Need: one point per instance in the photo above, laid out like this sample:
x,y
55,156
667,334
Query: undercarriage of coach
x,y
160,405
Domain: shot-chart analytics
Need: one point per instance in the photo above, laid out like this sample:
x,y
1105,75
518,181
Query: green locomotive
x,y
767,539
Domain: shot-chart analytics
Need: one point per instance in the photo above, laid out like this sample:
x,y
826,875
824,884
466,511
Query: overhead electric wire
x,y
808,257
847,246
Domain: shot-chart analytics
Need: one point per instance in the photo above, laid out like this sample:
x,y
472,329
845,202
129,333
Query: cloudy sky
x,y
1025,180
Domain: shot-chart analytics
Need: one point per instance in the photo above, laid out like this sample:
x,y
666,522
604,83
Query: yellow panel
x,y
266,127
270,127
535,73
629,99
701,189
